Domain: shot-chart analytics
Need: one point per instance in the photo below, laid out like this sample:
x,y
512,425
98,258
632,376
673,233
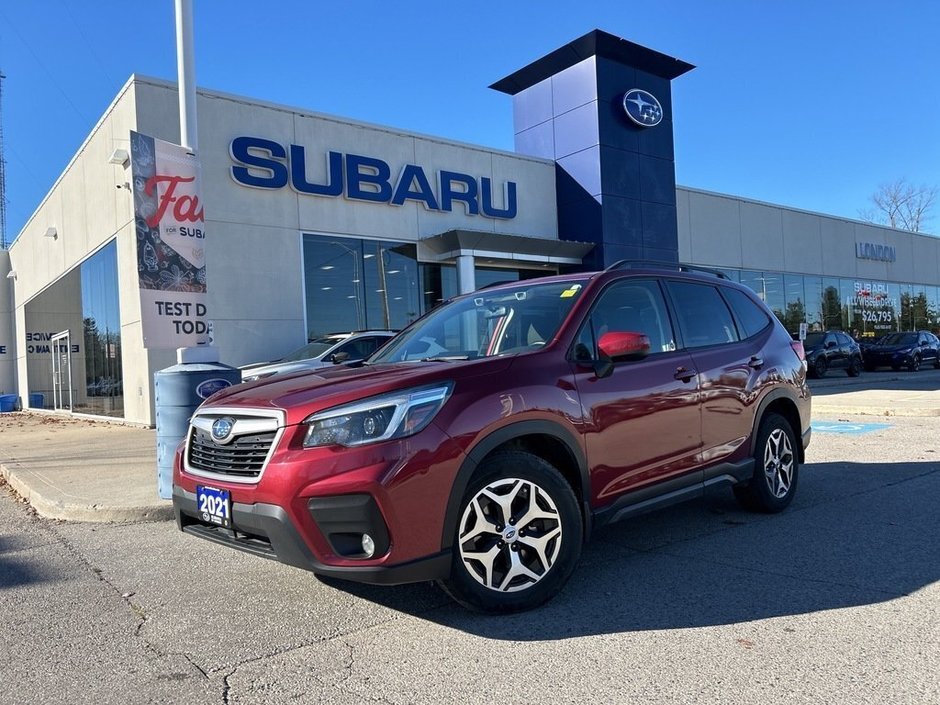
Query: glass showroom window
x,y
933,308
814,302
358,284
73,340
101,320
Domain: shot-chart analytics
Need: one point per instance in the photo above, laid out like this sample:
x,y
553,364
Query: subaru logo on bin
x,y
211,386
222,428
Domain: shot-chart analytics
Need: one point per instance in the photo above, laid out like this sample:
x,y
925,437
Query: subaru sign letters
x,y
263,163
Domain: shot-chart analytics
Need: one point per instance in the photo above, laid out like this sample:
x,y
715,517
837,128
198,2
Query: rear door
x,y
729,362
641,423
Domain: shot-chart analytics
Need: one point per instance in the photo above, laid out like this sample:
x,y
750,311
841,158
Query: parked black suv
x,y
909,349
832,350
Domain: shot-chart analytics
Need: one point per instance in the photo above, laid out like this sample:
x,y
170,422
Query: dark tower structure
x,y
601,108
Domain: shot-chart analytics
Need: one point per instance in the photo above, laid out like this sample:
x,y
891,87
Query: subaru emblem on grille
x,y
222,429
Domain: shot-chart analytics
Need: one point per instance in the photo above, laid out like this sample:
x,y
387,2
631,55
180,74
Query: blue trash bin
x,y
178,391
37,401
8,402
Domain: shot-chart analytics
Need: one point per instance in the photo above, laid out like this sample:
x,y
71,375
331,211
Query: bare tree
x,y
900,204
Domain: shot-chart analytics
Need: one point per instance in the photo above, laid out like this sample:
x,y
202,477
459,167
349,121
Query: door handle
x,y
684,374
756,362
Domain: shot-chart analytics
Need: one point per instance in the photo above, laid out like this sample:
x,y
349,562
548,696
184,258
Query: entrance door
x,y
61,372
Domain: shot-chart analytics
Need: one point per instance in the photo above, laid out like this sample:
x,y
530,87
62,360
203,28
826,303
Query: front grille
x,y
243,457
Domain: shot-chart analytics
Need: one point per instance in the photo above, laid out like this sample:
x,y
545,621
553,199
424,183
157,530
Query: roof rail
x,y
652,264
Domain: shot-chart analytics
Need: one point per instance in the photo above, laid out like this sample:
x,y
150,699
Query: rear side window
x,y
843,339
704,318
751,317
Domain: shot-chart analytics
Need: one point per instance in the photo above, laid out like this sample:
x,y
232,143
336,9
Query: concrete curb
x,y
76,511
821,409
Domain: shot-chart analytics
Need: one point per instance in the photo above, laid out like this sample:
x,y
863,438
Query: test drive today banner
x,y
171,240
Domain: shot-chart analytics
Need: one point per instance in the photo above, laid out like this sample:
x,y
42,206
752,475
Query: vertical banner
x,y
171,239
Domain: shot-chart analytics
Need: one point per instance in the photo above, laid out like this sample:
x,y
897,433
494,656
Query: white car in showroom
x,y
329,350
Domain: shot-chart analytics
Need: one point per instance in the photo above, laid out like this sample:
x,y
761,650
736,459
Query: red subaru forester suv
x,y
483,444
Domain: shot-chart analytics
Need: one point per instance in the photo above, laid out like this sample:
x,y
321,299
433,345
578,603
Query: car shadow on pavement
x,y
857,534
14,571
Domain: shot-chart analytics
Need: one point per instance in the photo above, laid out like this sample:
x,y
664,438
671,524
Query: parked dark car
x,y
546,409
832,350
909,349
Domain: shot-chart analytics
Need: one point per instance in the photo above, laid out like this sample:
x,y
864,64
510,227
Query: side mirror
x,y
624,345
340,357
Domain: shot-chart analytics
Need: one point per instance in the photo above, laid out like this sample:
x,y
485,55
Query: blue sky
x,y
806,104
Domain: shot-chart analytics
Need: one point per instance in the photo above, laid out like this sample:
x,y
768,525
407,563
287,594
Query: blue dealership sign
x,y
265,164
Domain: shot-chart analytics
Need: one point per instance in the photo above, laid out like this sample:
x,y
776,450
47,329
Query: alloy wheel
x,y
510,535
778,463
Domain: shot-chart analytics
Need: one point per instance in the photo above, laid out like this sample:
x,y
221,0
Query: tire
x,y
776,468
499,565
914,364
936,363
820,367
855,367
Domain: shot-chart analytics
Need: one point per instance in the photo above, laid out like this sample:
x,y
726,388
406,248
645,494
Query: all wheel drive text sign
x,y
171,240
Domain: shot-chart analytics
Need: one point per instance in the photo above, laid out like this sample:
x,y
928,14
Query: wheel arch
x,y
780,402
545,439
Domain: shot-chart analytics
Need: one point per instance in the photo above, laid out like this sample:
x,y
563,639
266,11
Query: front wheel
x,y
914,364
776,468
519,536
820,367
855,367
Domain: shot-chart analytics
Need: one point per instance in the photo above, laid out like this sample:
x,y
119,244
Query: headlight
x,y
377,419
905,351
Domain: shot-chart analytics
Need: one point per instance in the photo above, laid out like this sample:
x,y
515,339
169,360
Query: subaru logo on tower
x,y
642,107
222,429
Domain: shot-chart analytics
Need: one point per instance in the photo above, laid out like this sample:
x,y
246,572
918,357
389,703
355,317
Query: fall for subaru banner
x,y
171,240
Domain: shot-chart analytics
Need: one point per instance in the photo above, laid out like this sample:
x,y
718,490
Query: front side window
x,y
630,306
487,323
704,319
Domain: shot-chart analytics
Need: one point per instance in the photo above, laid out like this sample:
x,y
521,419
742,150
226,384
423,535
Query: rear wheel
x,y
776,468
519,536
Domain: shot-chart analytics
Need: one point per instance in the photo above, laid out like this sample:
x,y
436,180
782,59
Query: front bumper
x,y
266,530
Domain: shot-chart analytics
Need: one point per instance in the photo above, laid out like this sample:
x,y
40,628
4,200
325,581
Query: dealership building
x,y
315,224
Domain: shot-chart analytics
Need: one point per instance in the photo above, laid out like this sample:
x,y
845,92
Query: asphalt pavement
x,y
78,469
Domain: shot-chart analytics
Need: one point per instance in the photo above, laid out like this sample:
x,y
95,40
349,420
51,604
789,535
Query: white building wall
x,y
726,231
87,211
253,245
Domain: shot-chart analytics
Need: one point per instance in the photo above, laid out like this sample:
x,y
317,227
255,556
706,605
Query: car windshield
x,y
487,323
311,350
899,339
813,340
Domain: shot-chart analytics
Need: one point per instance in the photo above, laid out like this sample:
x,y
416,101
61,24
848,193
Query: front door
x,y
642,422
61,372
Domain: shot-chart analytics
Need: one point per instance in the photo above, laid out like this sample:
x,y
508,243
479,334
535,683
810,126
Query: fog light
x,y
368,545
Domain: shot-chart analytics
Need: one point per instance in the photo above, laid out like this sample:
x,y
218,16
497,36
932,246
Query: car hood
x,y
303,393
